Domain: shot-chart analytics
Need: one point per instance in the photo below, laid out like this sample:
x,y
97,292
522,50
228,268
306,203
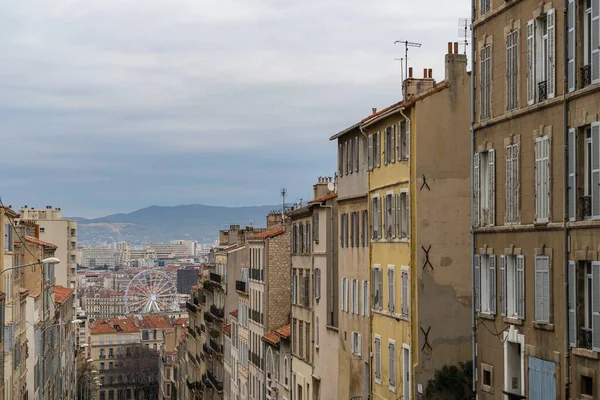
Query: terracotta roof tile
x,y
61,294
183,321
271,337
227,330
234,313
114,325
321,199
284,332
269,233
156,321
38,242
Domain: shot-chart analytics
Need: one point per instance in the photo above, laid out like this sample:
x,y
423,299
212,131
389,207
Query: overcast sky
x,y
113,105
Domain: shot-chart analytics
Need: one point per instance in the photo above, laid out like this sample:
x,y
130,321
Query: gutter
x,y
472,133
566,196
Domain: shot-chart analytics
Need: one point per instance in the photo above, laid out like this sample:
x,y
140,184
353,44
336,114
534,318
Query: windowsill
x,y
544,326
393,389
397,317
541,223
513,321
332,328
488,316
487,389
585,353
377,381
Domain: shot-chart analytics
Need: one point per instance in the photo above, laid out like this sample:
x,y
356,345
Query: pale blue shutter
x,y
595,41
503,301
531,62
572,144
492,280
571,46
551,78
572,281
596,170
476,190
596,305
492,188
520,287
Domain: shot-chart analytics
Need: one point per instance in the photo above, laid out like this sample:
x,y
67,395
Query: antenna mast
x,y
463,31
283,193
407,44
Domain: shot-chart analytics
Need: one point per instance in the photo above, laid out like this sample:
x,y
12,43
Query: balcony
x,y
191,307
542,90
191,356
584,339
586,206
102,356
586,75
192,332
256,274
215,277
216,347
216,311
241,286
208,318
214,381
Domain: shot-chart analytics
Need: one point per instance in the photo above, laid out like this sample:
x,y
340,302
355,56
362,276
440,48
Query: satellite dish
x,y
330,186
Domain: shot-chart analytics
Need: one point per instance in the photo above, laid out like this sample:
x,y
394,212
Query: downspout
x,y
566,196
472,134
370,364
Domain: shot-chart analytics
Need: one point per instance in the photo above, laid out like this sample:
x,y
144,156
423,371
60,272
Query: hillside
x,y
161,224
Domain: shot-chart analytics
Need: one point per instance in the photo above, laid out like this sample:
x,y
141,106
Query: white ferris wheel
x,y
151,291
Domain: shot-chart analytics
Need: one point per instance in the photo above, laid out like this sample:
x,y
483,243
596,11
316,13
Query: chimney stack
x,y
455,47
374,109
456,64
410,72
449,47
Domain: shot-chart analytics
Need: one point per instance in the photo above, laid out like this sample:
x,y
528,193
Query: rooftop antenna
x,y
283,193
463,31
407,44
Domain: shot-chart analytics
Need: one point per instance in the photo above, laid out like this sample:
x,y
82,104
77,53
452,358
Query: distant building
x,y
186,278
99,257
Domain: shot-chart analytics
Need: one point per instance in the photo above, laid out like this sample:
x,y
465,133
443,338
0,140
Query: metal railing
x,y
217,311
542,90
215,277
586,75
240,286
586,206
218,385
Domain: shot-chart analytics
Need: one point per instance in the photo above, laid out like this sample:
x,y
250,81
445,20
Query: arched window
x,y
286,376
269,362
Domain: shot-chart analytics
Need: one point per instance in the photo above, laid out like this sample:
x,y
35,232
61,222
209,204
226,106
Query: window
x,y
365,228
391,290
42,230
392,364
356,153
590,202
485,6
8,237
487,382
317,283
355,229
583,314
315,226
354,296
286,376
350,156
485,275
378,359
542,179
355,345
485,90
403,140
377,149
376,218
541,58
406,371
512,286
403,215
294,336
377,282
365,293
542,289
317,332
405,293
512,70
587,386
389,150
294,285
512,184
390,222
345,294
345,158
484,195
344,230
308,341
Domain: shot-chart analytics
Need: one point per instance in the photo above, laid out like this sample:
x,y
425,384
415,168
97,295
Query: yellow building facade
x,y
388,154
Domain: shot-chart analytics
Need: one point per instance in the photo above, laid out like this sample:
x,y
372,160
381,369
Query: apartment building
x,y
103,303
64,312
240,343
314,322
535,204
99,257
353,261
278,365
61,232
194,342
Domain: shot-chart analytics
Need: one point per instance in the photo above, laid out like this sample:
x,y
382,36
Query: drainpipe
x,y
370,364
472,133
566,198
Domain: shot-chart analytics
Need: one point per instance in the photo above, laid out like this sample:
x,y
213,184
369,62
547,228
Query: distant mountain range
x,y
161,224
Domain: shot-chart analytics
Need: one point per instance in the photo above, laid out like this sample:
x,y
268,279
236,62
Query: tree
x,y
451,382
140,370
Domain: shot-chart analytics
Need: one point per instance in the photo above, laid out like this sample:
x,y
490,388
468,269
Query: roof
x,y
114,325
61,293
34,294
342,133
234,313
284,332
271,337
156,322
269,233
322,199
38,242
183,321
227,330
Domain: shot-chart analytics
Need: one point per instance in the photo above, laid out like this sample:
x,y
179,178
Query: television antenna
x,y
463,31
406,44
283,193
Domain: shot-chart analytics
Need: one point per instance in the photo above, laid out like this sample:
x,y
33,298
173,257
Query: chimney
x,y
456,64
321,188
410,73
374,110
414,87
274,219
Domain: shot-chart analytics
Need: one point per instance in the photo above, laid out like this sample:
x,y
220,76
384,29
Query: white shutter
x,y
542,289
359,344
377,148
392,364
503,300
492,281
379,218
347,289
596,305
385,148
572,281
596,170
356,153
492,191
572,177
407,218
538,178
370,152
508,185
405,293
476,262
476,190
391,291
531,62
595,41
352,348
342,295
571,46
520,287
380,283
392,145
551,82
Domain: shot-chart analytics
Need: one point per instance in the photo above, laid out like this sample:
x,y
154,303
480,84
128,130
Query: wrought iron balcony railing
x,y
586,206
217,311
215,277
240,286
586,75
542,90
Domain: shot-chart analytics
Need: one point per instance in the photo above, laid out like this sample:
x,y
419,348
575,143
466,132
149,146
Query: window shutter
x,y
596,305
571,35
476,190
340,160
385,148
551,21
542,288
531,62
407,215
370,152
399,140
345,161
391,291
350,156
492,191
356,153
385,216
359,346
379,218
492,280
342,295
404,293
352,348
503,301
596,41
380,288
596,170
392,146
572,178
508,185
476,262
394,221
538,179
392,360
520,287
377,148
407,150
399,214
572,280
